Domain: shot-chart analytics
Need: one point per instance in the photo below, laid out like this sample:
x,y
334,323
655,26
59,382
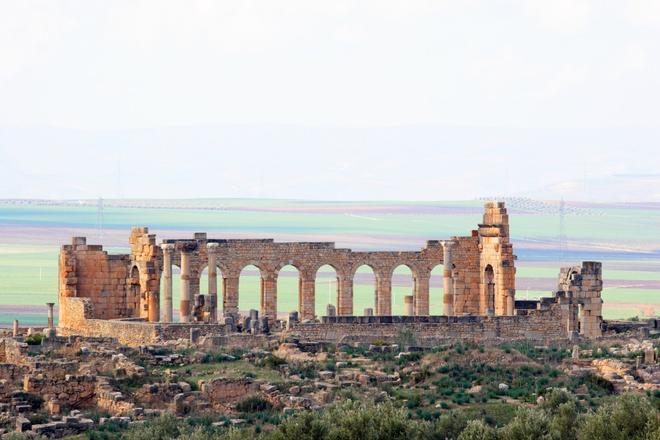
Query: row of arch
x,y
288,285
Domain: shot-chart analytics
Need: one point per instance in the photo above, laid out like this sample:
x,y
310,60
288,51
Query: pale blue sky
x,y
329,100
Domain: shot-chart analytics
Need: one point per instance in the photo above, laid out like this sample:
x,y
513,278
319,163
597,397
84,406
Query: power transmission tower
x,y
562,230
99,218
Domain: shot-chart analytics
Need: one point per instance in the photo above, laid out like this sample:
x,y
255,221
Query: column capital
x,y
270,276
167,247
211,246
448,244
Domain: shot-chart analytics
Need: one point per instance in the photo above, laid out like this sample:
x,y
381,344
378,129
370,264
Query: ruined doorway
x,y
489,280
133,293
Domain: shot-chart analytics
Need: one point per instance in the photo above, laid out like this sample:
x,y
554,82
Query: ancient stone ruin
x,y
119,295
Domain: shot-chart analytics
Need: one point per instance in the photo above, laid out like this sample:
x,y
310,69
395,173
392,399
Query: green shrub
x,y
628,416
34,339
564,422
478,430
163,428
273,362
253,404
528,424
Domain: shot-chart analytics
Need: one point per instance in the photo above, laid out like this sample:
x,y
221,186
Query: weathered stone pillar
x,y
213,281
649,356
269,295
230,295
15,328
51,322
383,294
167,281
153,301
510,302
184,308
345,295
307,296
330,310
421,298
447,280
408,305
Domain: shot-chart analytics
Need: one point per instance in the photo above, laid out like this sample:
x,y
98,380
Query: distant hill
x,y
618,188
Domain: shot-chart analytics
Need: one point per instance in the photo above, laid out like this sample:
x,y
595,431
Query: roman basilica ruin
x,y
120,296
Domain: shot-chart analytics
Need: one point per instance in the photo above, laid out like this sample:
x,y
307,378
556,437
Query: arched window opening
x,y
326,284
288,291
364,290
249,289
437,290
402,287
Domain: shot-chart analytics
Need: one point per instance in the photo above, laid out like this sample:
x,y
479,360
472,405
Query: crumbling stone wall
x,y
6,388
76,391
12,372
160,395
13,351
224,390
146,258
579,289
132,333
86,271
497,295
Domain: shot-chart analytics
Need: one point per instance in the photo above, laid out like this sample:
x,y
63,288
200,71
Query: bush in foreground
x,y
559,418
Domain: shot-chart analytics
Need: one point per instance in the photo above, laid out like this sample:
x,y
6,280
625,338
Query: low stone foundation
x,y
223,390
133,332
427,331
76,391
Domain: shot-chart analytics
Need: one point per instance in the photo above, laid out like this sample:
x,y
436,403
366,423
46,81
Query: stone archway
x,y
133,293
364,287
489,288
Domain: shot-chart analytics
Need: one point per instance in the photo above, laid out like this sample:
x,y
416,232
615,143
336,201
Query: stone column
x,y
230,295
421,303
307,296
344,295
50,315
153,300
447,280
510,302
167,281
383,294
269,296
184,308
15,328
213,281
408,305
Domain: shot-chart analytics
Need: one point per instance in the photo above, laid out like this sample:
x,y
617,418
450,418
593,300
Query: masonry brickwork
x,y
428,331
119,295
128,286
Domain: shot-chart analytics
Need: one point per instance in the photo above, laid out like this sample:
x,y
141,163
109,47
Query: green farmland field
x,y
626,239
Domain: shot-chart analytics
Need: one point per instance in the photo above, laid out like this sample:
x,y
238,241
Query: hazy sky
x,y
330,100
